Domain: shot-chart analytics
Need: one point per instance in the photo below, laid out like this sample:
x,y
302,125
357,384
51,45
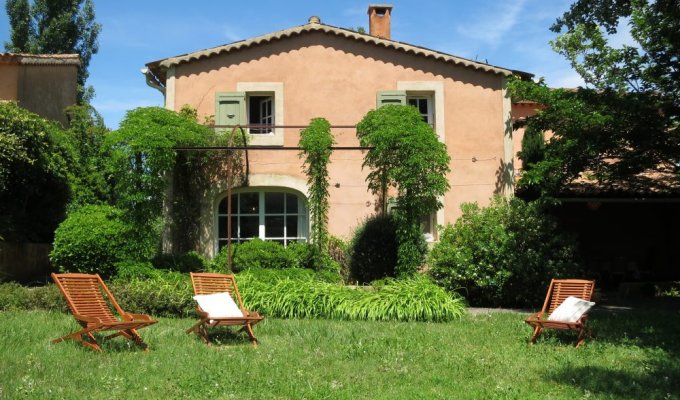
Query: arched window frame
x,y
263,215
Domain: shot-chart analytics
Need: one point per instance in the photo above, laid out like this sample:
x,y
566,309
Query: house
x,y
281,80
42,83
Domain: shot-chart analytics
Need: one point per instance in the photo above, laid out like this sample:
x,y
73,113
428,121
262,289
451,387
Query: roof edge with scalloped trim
x,y
39,59
164,64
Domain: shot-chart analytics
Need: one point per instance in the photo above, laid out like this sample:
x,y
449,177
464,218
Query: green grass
x,y
634,356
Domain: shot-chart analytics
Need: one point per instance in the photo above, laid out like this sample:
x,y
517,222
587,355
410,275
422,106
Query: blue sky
x,y
512,34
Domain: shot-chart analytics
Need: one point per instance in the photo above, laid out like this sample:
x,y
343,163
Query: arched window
x,y
267,214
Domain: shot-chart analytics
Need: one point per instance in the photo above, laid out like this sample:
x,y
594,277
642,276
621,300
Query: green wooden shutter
x,y
230,108
397,97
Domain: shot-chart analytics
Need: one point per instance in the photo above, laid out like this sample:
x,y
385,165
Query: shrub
x,y
165,294
309,256
190,261
93,239
373,249
259,253
337,250
16,297
129,270
502,255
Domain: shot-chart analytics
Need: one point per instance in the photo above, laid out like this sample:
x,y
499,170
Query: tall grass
x,y
415,299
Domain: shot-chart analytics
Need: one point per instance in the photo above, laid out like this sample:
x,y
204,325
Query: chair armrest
x,y
132,317
535,317
201,313
87,319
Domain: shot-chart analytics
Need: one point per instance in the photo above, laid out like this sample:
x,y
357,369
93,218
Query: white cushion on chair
x,y
218,305
571,309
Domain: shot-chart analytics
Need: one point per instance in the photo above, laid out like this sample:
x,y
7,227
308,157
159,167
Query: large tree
x,y
55,27
624,123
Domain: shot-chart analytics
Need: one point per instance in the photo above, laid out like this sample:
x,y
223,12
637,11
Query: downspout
x,y
153,81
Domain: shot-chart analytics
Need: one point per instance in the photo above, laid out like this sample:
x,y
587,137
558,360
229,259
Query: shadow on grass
x,y
649,341
225,336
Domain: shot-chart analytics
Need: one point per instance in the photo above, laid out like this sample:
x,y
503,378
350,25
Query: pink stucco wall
x,y
338,78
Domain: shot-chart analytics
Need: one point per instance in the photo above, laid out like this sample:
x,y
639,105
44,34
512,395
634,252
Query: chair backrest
x,y
209,283
85,293
560,289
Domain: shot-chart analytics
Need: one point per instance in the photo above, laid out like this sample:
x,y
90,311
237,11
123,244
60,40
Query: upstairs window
x,y
261,112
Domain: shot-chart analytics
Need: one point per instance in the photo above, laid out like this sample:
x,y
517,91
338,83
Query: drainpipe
x,y
152,80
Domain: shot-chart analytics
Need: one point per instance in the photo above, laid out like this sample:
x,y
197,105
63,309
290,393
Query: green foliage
x,y
93,239
55,27
16,297
128,270
87,132
502,255
338,251
190,261
607,136
143,157
36,162
164,294
309,256
373,249
316,141
626,121
407,154
414,299
259,253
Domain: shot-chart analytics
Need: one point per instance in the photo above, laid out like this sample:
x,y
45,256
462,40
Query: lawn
x,y
636,355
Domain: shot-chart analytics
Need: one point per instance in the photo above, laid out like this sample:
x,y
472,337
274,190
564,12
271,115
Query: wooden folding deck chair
x,y
558,291
210,283
88,299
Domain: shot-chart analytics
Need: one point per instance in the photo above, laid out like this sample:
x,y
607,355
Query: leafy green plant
x,y
36,167
501,254
166,293
93,239
259,253
16,297
190,261
373,249
316,141
415,299
405,153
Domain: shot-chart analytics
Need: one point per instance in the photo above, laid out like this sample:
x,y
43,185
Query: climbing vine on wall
x,y
316,141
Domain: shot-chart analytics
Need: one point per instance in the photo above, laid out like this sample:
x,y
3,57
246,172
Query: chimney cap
x,y
314,20
372,7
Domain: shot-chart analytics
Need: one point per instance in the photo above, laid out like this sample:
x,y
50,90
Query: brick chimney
x,y
379,20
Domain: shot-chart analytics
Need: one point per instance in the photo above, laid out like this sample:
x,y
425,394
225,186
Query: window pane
x,y
291,203
222,227
291,226
422,106
273,203
250,203
413,102
223,205
273,226
250,227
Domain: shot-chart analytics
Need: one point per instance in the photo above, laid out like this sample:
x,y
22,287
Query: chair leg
x,y
582,335
249,331
90,342
536,334
134,336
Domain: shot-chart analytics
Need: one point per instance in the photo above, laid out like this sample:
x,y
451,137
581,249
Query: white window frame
x,y
429,115
302,233
266,117
275,89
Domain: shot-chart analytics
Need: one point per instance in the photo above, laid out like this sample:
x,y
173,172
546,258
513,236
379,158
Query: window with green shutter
x,y
397,97
230,108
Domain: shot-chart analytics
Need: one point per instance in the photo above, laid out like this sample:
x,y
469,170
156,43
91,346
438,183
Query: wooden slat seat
x,y
558,291
210,283
90,302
